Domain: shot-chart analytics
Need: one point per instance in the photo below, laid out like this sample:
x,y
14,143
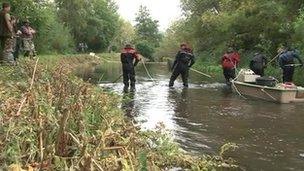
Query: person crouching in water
x,y
129,60
287,63
230,61
258,63
183,62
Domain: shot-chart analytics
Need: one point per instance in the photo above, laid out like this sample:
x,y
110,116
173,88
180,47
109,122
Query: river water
x,y
206,115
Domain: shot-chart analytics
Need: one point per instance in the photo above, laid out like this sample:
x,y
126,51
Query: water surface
x,y
206,116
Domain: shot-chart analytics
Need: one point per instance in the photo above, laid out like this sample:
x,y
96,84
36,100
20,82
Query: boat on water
x,y
250,85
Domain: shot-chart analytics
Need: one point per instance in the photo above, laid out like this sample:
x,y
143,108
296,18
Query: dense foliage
x,y
248,25
62,24
95,22
52,35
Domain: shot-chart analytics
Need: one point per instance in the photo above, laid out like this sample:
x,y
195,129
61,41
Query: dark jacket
x,y
259,61
183,60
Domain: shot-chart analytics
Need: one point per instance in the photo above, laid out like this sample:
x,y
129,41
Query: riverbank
x,y
52,120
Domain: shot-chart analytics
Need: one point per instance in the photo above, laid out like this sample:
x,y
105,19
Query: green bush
x,y
145,49
54,37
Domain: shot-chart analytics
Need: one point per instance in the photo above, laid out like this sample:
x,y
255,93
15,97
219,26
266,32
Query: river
x,y
206,115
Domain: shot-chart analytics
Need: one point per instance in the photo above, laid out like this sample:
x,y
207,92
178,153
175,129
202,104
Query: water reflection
x,y
128,104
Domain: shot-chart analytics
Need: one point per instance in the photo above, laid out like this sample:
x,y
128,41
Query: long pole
x,y
117,79
273,59
147,71
201,73
293,65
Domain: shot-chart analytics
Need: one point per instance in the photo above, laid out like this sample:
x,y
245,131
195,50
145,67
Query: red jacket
x,y
230,60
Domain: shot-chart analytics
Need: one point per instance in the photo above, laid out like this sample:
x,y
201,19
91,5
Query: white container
x,y
247,76
300,93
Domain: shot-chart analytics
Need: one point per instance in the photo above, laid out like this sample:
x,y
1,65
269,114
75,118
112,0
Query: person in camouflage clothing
x,y
27,36
6,35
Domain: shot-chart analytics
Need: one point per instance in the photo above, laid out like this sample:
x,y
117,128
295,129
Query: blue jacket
x,y
288,57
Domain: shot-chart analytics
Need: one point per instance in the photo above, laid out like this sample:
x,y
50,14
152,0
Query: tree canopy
x,y
62,24
148,36
247,25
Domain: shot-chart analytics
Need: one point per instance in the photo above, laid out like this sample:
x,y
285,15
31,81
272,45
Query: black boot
x,y
126,89
133,88
171,83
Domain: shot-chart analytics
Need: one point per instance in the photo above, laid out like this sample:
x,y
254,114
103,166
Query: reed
x,y
52,120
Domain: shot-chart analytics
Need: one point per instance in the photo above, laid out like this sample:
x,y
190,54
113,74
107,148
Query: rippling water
x,y
205,116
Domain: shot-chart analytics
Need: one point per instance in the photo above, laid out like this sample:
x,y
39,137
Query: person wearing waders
x,y
230,61
183,62
129,60
258,63
287,63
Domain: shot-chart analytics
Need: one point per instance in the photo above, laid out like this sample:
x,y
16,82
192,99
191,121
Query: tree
x,y
145,49
298,37
147,32
170,44
125,35
244,24
95,22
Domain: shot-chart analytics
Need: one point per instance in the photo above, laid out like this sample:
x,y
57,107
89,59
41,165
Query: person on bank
x,y
6,35
287,63
184,60
229,62
129,60
258,64
16,43
27,36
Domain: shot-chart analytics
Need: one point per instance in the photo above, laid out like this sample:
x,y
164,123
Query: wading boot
x,y
126,89
171,83
133,88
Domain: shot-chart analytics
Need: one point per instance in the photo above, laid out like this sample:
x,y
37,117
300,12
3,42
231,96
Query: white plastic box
x,y
247,76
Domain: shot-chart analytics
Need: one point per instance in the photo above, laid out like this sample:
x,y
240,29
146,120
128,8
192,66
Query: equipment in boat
x,y
267,88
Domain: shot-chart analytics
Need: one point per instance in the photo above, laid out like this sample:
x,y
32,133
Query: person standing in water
x,y
258,63
184,60
129,60
230,61
287,63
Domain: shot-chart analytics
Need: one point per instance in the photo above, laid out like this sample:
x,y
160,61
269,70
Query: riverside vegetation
x,y
52,120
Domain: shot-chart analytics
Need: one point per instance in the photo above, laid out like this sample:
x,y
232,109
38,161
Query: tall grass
x,y
52,120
